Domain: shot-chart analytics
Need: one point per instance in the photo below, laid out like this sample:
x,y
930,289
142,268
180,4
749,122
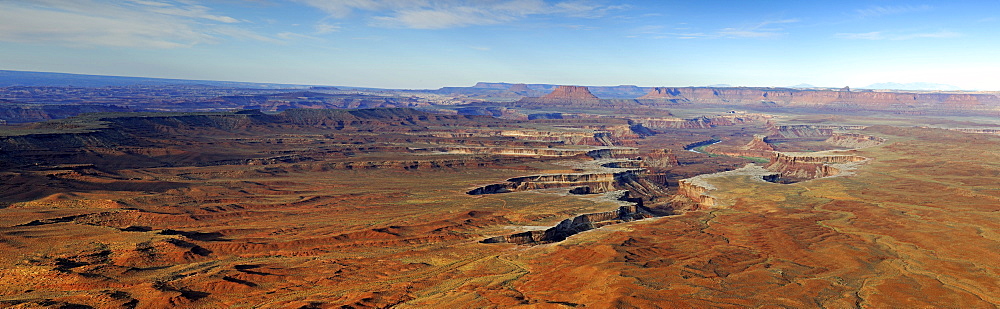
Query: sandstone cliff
x,y
810,165
695,192
854,140
793,131
757,147
702,122
581,223
828,99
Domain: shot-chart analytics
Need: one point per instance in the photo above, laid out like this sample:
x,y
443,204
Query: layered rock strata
x,y
570,93
829,99
597,182
757,147
702,122
696,189
795,131
802,166
580,223
854,140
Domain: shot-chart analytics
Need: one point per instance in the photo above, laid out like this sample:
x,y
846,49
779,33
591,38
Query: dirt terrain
x,y
374,208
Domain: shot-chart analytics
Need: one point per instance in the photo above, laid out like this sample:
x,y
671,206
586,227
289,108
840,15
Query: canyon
x,y
503,195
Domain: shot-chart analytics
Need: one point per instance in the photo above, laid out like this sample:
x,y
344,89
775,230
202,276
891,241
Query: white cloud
x,y
342,8
876,11
324,28
193,11
764,29
895,36
439,14
875,35
761,30
135,23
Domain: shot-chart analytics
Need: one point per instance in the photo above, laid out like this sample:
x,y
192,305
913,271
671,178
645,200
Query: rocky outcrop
x,y
580,223
854,140
597,182
662,158
21,113
759,143
696,191
471,162
509,151
570,93
316,100
795,131
829,99
576,97
608,153
758,147
804,166
623,134
495,111
978,131
702,122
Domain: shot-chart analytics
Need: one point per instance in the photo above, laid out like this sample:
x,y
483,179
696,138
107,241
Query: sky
x,y
427,44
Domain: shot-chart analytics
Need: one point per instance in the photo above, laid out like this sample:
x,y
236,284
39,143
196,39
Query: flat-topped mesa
x,y
585,222
808,130
572,96
729,119
863,100
694,193
597,182
757,147
917,103
810,166
570,93
854,140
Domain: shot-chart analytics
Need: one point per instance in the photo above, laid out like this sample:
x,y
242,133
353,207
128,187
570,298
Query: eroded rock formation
x,y
597,182
794,131
802,166
694,193
702,122
663,158
581,223
854,140
758,147
570,93
829,99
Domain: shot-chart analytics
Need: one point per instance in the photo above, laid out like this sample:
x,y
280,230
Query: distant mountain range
x,y
912,86
802,86
26,78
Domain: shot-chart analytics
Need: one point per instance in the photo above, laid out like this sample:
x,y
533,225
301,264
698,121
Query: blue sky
x,y
436,43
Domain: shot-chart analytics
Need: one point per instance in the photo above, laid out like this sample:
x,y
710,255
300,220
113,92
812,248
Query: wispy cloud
x,y
324,28
135,23
764,29
876,11
440,14
191,10
896,36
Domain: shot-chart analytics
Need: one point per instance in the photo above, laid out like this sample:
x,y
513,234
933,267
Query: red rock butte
x,y
571,93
